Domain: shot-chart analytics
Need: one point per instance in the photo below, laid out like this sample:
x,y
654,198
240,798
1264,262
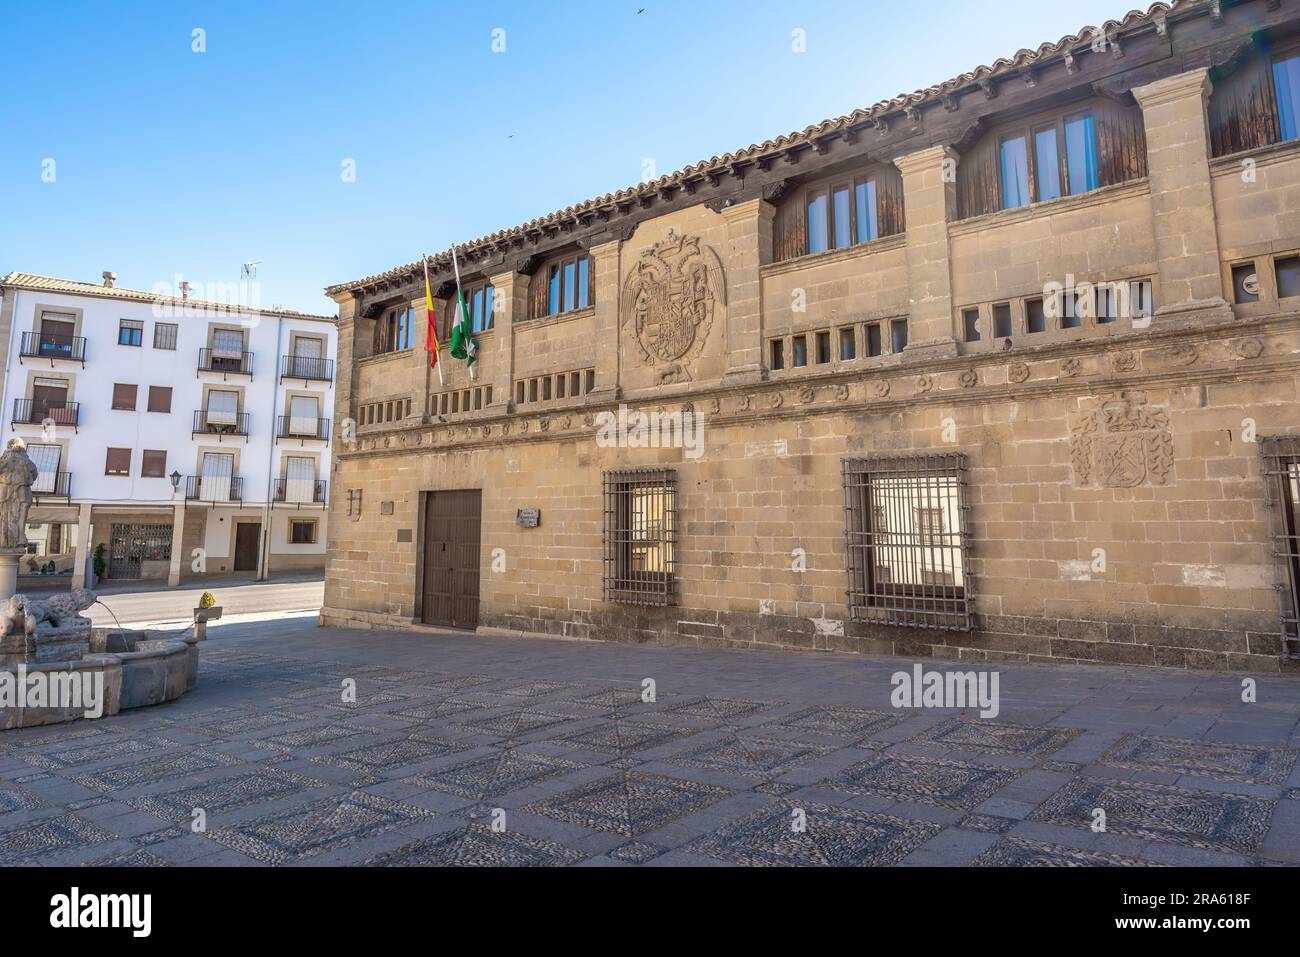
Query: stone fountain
x,y
48,644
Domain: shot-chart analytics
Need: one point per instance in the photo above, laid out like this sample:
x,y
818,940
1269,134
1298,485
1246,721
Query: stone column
x,y
178,546
9,571
345,369
749,248
1190,287
930,202
605,263
83,546
509,301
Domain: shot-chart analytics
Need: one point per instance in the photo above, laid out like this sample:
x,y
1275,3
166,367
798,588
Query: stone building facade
x,y
1004,369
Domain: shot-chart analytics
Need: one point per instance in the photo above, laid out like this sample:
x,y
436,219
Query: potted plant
x,y
101,566
207,611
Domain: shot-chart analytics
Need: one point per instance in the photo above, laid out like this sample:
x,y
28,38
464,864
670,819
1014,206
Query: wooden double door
x,y
452,524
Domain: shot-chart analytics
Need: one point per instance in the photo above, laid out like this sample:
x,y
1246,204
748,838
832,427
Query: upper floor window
x,y
395,330
164,335
130,333
842,213
1048,161
562,285
837,212
1048,156
1286,83
478,300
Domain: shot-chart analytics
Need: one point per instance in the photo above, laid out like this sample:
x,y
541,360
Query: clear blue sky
x,y
170,161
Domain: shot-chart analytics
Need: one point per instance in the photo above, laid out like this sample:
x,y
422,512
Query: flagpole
x,y
460,298
428,301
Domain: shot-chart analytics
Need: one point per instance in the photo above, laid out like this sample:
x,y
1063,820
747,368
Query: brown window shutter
x,y
154,464
160,398
118,462
591,280
537,301
124,396
790,237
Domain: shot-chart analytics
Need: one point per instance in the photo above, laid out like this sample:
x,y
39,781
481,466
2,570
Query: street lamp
x,y
176,480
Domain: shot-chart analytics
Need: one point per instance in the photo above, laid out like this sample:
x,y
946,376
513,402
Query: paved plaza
x,y
451,734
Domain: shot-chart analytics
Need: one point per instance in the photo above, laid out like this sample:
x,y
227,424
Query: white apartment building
x,y
175,437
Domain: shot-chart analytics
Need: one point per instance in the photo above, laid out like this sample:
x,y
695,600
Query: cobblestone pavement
x,y
450,731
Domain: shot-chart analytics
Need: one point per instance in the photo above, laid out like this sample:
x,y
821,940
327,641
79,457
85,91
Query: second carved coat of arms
x,y
1121,443
670,297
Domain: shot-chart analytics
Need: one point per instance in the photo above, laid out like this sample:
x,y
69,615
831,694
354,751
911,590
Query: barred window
x,y
640,536
906,540
164,335
1281,465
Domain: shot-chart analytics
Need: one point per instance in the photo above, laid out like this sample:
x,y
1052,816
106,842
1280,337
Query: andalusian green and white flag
x,y
463,345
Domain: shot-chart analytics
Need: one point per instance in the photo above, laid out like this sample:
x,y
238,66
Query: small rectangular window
x,y
875,343
1245,283
777,347
153,464
160,398
1035,319
1139,298
117,462
1001,320
848,343
591,379
1070,308
575,383
124,397
823,347
164,335
898,335
302,532
130,333
970,320
519,393
800,347
1288,276
532,390
561,381
546,389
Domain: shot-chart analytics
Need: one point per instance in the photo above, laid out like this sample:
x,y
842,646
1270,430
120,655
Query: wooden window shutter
x,y
124,396
538,293
118,462
160,398
790,228
1242,111
153,464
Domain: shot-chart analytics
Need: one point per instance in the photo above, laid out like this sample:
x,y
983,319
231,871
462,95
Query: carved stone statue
x,y
17,473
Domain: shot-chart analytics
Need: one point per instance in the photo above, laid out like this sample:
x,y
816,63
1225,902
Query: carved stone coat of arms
x,y
670,297
1121,443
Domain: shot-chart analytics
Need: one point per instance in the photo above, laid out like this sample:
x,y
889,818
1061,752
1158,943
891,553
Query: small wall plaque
x,y
385,508
528,517
404,535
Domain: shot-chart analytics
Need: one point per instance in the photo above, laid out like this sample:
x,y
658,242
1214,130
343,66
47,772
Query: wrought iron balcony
x,y
220,424
52,485
213,488
52,346
301,427
307,368
226,363
299,491
28,412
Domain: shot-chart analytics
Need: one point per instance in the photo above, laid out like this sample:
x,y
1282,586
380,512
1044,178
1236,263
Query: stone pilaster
x,y
930,201
178,548
83,546
749,248
605,262
1190,287
345,377
509,302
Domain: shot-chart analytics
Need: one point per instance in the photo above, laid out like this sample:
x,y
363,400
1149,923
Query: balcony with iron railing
x,y
30,412
213,488
52,346
293,491
302,427
52,485
221,424
226,363
306,368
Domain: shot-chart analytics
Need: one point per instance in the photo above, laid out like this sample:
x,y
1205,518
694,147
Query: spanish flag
x,y
431,339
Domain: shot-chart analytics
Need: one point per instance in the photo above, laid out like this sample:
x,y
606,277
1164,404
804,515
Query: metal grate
x,y
1280,460
906,540
640,536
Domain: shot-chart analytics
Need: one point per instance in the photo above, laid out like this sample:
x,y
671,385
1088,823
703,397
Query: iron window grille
x,y
1281,467
906,540
640,536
